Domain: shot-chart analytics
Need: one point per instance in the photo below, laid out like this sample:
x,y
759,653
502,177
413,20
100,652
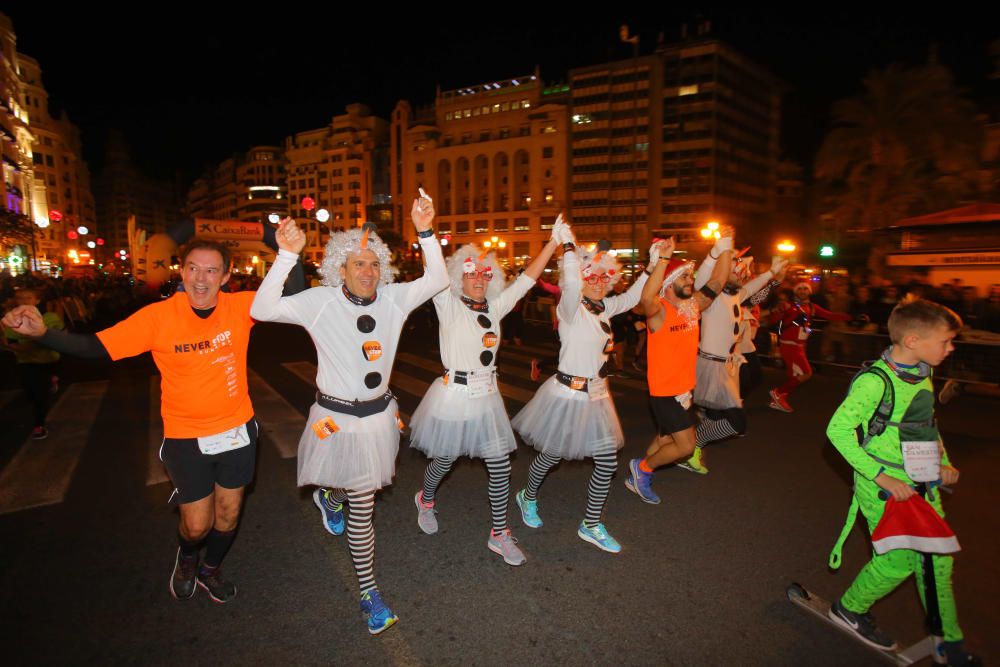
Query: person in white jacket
x,y
351,439
462,413
572,416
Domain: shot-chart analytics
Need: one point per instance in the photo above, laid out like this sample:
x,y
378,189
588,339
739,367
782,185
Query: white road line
x,y
280,423
41,471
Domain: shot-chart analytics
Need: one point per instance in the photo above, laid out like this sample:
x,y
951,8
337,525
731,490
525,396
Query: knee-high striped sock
x,y
710,430
436,470
332,498
361,536
600,483
537,471
499,472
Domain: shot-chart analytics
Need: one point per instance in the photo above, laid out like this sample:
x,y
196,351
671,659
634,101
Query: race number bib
x,y
804,333
234,438
684,399
481,384
922,460
597,389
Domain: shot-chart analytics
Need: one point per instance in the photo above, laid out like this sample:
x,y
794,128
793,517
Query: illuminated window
x,y
549,129
467,113
687,90
515,106
482,226
525,104
522,225
496,107
447,116
500,225
462,227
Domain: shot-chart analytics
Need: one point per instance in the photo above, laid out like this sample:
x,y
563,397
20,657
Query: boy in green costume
x,y
922,333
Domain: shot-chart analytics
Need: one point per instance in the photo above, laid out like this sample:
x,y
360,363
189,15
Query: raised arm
x,y
28,321
268,304
650,298
572,283
721,268
705,271
761,282
435,276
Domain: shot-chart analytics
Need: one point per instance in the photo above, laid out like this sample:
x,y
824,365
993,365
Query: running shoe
x,y
954,653
333,517
529,510
639,483
425,514
863,625
780,402
536,372
182,579
696,463
598,536
380,618
505,544
220,590
39,433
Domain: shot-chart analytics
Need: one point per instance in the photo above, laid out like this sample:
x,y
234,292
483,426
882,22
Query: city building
x,y
494,158
249,187
341,168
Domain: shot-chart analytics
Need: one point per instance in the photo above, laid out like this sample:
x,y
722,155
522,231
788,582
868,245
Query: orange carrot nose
x,y
364,239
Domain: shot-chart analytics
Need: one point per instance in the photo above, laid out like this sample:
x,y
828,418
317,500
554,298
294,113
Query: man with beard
x,y
672,310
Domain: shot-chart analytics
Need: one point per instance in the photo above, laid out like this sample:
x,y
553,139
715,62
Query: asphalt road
x,y
701,579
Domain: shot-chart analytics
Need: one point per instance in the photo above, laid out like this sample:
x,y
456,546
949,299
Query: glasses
x,y
595,278
485,274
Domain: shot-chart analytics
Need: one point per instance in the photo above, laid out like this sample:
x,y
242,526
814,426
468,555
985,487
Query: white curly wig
x,y
596,260
347,243
456,269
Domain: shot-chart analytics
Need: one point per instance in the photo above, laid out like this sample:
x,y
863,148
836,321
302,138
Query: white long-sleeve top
x,y
463,339
720,322
583,341
350,360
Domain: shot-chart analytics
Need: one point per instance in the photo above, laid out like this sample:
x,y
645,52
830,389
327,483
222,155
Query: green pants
x,y
885,572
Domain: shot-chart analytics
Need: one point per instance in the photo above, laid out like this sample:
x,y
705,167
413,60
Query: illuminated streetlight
x,y
274,218
786,246
322,215
91,244
487,244
255,259
711,230
82,231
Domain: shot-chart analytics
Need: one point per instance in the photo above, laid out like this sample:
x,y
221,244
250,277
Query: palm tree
x,y
909,144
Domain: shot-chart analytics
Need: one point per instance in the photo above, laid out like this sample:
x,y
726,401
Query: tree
x,y
909,144
15,229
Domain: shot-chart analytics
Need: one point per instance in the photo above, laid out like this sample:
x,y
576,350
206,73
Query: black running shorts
x,y
195,474
671,417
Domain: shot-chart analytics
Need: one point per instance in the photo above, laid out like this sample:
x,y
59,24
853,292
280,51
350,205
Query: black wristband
x,y
647,272
708,291
427,233
567,247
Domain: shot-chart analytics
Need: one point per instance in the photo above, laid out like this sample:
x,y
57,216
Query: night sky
x,y
187,88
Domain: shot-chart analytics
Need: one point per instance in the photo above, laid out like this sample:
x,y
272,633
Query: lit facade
x,y
340,167
493,157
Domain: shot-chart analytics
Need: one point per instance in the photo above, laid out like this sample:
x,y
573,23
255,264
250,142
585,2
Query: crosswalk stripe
x,y
306,371
40,472
508,390
155,472
280,423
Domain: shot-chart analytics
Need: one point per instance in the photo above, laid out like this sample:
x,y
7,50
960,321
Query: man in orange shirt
x,y
199,341
672,310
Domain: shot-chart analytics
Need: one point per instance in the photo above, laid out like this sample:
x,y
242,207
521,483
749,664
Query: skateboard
x,y
925,648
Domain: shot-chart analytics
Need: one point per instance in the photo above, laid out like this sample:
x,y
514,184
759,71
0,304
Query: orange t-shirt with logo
x,y
672,351
203,362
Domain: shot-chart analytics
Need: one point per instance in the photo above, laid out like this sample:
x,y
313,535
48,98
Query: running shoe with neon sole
x,y
696,463
333,517
863,625
425,514
380,618
505,544
779,402
529,510
639,483
599,537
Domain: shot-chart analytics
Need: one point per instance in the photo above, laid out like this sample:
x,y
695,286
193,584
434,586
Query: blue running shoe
x,y
598,536
639,483
333,518
529,510
380,618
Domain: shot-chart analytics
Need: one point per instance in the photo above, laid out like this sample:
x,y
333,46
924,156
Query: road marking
x,y
279,422
156,473
508,390
41,471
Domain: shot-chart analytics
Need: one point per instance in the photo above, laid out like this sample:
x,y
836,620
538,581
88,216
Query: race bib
x,y
234,438
325,427
481,384
597,389
804,333
684,399
922,460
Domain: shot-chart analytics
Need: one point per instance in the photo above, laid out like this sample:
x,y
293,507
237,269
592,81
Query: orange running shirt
x,y
672,351
203,362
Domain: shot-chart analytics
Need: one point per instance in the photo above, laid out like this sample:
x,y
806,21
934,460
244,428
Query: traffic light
x,y
826,250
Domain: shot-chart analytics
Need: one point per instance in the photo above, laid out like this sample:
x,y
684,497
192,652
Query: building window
x,y
522,249
484,136
420,167
525,131
522,225
462,227
548,197
482,226
444,228
500,225
549,129
547,223
547,152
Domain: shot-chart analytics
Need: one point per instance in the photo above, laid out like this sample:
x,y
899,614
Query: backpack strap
x,y
882,417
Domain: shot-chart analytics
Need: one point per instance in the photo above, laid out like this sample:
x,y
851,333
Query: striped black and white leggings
x,y
360,532
497,467
605,464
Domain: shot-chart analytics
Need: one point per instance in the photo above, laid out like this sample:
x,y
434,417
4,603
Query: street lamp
x,y
711,231
786,247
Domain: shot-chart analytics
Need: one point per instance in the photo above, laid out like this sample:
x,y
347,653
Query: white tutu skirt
x,y
717,388
361,455
566,423
449,422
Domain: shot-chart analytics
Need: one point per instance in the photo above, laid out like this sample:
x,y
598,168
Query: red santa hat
x,y
675,268
913,524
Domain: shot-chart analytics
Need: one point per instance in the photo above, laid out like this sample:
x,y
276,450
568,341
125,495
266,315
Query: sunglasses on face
x,y
595,278
485,274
